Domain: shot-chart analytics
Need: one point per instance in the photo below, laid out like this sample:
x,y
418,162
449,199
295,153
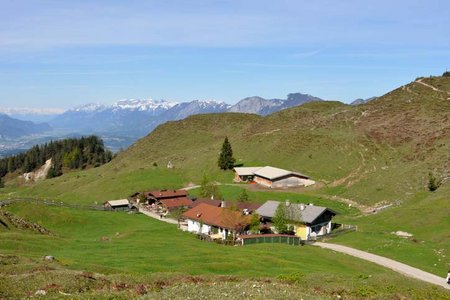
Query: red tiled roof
x,y
176,202
212,202
217,216
239,205
164,194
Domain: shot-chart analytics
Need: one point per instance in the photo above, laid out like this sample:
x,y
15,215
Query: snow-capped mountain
x,y
131,116
122,123
186,109
143,105
261,106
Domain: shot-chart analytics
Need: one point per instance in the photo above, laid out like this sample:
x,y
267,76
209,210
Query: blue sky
x,y
66,53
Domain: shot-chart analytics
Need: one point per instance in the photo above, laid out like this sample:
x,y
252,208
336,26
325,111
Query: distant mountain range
x,y
11,128
138,117
360,101
125,121
261,106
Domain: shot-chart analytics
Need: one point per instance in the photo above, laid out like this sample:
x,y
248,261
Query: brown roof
x,y
247,205
239,205
217,216
164,194
212,202
176,202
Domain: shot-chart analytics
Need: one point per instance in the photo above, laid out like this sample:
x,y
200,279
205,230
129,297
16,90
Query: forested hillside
x,y
65,154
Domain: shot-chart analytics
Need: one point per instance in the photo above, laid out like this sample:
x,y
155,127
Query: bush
x,y
433,182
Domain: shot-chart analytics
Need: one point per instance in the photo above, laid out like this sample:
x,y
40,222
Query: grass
x,y
377,153
124,245
231,193
426,217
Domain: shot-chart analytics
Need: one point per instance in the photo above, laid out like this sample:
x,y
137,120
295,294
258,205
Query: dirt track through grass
x,y
388,263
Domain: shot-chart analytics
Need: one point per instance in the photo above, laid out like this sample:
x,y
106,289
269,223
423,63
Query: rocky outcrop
x,y
20,223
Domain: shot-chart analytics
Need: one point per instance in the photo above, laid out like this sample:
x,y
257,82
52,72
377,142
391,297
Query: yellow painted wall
x,y
300,231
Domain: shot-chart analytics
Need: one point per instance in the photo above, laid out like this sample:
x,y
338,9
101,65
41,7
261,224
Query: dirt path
x,y
158,217
388,263
431,87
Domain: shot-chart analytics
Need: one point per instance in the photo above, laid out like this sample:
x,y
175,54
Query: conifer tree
x,y
226,159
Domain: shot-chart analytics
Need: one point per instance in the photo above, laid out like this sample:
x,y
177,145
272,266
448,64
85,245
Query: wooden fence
x,y
48,202
272,239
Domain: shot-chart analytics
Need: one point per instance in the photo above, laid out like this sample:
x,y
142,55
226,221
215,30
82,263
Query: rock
x,y
40,293
49,258
402,234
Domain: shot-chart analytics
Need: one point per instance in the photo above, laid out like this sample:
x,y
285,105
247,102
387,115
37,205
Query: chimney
x,y
302,206
222,203
288,203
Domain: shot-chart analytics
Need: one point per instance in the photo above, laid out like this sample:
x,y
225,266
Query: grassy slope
x,y
137,244
381,151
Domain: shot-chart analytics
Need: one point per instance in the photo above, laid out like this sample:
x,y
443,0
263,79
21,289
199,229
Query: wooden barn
x,y
278,178
122,204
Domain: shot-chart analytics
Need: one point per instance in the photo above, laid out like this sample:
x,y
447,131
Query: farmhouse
x,y
156,196
175,203
216,221
277,178
122,204
244,207
245,174
271,177
309,220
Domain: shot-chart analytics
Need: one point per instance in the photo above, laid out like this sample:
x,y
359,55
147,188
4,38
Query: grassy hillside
x,y
134,250
379,153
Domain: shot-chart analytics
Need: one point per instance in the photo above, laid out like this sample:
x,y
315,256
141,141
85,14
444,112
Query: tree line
x,y
71,153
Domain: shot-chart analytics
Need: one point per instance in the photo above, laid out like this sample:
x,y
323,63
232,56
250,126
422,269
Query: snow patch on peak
x,y
142,104
211,103
91,107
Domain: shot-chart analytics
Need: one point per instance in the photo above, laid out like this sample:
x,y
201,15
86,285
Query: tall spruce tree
x,y
226,159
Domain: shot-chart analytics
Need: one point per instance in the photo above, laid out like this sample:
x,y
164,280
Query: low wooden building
x,y
278,178
122,204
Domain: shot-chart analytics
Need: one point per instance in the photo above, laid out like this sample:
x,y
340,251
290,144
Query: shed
x,y
122,204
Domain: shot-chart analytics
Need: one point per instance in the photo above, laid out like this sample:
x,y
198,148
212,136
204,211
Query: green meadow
x,y
135,245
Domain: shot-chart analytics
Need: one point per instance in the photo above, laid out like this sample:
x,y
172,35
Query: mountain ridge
x,y
15,128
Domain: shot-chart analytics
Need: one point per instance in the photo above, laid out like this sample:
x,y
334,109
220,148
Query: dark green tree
x,y
433,182
280,219
226,159
2,183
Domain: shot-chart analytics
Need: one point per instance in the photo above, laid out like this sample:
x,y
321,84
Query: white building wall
x,y
292,181
194,226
